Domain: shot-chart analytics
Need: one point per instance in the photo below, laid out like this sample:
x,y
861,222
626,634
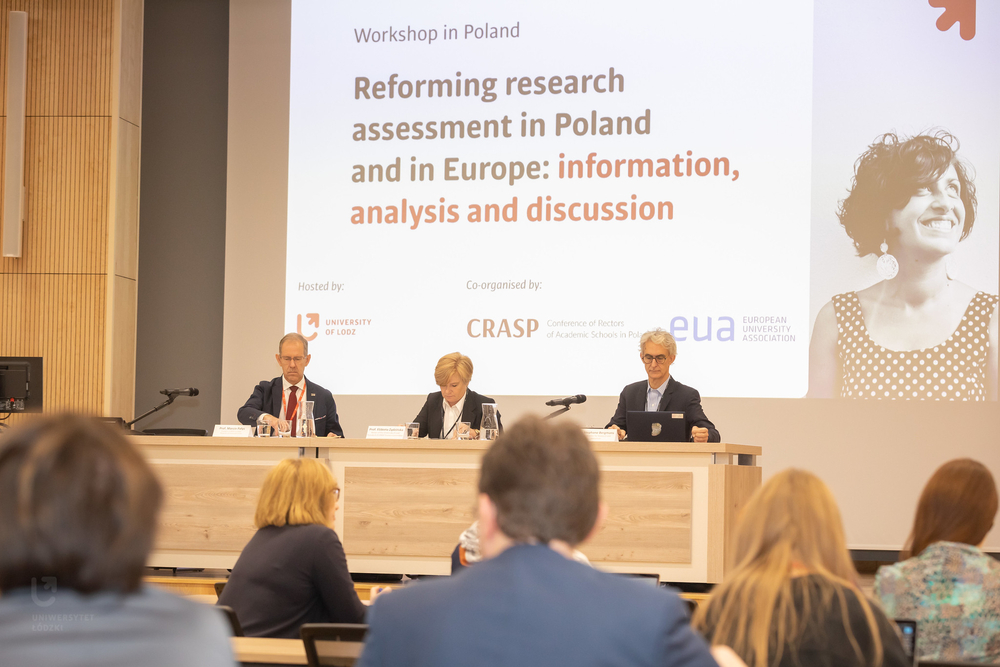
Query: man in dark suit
x,y
278,399
529,602
661,393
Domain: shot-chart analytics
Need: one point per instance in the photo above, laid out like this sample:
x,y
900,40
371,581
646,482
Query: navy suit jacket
x,y
431,416
266,397
677,398
531,606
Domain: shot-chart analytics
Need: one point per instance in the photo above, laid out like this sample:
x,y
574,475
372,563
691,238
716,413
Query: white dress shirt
x,y
653,396
452,414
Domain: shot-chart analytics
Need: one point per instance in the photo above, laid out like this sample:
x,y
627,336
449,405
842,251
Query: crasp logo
x,y
487,328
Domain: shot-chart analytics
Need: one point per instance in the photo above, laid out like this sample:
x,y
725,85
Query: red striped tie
x,y
293,403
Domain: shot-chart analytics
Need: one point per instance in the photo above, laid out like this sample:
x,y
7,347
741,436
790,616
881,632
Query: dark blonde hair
x,y
449,364
791,521
958,504
78,503
296,492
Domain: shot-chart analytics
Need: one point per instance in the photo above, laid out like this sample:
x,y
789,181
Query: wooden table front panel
x,y
649,518
208,507
407,511
422,512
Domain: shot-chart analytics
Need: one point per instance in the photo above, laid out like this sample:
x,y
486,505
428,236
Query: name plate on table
x,y
386,433
232,431
601,434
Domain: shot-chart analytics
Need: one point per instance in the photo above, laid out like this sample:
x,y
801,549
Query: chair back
x,y
234,622
333,643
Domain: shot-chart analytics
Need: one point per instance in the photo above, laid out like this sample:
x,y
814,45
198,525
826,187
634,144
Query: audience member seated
x,y
528,602
293,570
441,412
78,513
790,599
950,587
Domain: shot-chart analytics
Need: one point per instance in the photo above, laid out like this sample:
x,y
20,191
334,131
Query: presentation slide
x,y
536,184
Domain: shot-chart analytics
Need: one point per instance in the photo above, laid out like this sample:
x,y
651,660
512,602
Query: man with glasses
x,y
662,393
277,400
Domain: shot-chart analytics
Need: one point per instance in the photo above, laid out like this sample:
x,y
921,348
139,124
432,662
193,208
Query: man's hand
x,y
699,434
621,433
332,435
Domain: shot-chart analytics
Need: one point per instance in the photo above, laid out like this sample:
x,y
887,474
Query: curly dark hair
x,y
889,173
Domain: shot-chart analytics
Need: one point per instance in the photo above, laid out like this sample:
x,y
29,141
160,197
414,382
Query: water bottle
x,y
490,429
306,428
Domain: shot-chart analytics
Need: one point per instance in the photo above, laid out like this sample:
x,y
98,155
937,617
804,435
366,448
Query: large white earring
x,y
887,266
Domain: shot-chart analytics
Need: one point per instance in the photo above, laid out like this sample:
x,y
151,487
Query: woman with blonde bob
x,y
441,412
294,570
790,598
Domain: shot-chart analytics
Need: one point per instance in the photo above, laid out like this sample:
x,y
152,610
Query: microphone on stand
x,y
568,401
188,391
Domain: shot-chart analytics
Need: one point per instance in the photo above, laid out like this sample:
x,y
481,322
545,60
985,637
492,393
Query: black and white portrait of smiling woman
x,y
916,333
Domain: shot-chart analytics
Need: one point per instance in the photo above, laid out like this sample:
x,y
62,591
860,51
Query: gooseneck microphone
x,y
188,391
568,401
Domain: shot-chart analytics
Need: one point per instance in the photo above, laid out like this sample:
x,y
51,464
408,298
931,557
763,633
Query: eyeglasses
x,y
648,359
336,493
288,360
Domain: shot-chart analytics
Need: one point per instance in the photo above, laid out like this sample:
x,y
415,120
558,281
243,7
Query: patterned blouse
x,y
952,591
953,370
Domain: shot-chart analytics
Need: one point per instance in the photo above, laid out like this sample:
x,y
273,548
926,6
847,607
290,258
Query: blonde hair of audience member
x,y
958,504
791,526
658,337
451,364
297,492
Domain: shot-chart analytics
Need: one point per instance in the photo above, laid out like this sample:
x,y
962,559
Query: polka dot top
x,y
951,371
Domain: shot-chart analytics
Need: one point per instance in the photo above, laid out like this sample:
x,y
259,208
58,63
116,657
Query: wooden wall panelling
x,y
68,306
126,223
67,168
130,79
59,318
121,369
69,57
123,240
